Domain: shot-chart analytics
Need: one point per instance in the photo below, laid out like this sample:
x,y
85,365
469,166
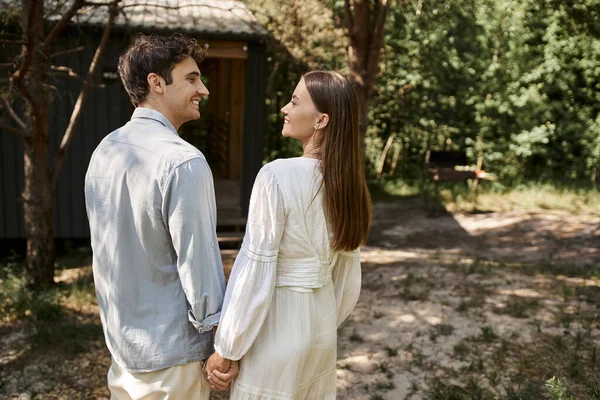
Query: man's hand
x,y
216,362
221,371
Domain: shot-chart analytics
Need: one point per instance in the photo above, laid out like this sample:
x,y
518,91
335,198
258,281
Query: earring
x,y
316,126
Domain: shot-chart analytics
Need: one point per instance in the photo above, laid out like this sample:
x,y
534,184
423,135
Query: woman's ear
x,y
323,121
155,83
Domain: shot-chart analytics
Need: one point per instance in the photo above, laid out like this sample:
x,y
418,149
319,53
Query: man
x,y
151,207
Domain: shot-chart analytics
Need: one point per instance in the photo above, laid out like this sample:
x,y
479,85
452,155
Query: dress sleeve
x,y
346,283
252,281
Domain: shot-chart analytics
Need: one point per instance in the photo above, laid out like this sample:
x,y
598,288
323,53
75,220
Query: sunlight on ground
x,y
455,307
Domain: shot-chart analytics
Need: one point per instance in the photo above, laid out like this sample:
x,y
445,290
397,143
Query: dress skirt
x,y
294,355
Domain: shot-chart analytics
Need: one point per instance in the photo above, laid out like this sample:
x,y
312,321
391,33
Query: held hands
x,y
221,371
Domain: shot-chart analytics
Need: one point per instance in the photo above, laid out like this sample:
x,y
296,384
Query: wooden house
x,y
229,133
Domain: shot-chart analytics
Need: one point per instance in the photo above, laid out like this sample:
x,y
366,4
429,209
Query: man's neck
x,y
156,107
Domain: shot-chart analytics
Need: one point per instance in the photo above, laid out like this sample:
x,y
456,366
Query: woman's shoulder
x,y
291,164
289,172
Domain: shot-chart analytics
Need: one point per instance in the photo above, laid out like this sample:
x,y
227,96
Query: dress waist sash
x,y
309,273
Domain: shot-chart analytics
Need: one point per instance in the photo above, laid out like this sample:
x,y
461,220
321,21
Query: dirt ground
x,y
470,299
459,306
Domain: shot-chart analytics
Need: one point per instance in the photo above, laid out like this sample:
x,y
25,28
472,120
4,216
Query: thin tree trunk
x,y
383,156
395,158
475,183
37,198
365,22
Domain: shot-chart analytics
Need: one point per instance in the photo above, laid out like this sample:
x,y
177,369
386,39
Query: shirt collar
x,y
148,113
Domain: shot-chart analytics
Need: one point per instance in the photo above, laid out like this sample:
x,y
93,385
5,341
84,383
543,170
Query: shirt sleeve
x,y
190,211
346,276
252,281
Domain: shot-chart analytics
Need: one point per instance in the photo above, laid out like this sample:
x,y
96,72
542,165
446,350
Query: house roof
x,y
229,19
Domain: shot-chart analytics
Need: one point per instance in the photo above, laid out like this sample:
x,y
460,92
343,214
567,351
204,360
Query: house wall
x,y
108,108
102,113
254,123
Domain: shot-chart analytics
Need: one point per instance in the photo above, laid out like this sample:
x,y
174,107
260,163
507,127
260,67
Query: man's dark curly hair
x,y
154,53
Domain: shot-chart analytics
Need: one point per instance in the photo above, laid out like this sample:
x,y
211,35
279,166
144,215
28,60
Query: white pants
x,y
183,382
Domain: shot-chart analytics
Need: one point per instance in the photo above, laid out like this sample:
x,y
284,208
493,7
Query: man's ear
x,y
156,83
323,121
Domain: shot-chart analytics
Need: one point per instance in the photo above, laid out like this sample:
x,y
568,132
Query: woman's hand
x,y
220,371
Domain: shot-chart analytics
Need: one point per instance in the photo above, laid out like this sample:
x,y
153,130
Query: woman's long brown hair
x,y
346,199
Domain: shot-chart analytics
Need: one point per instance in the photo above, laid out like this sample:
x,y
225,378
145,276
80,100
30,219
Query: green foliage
x,y
514,83
12,292
10,19
302,37
19,302
558,389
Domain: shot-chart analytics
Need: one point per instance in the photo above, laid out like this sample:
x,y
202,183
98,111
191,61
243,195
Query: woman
x,y
297,276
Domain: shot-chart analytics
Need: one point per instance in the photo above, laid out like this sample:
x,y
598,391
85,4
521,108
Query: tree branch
x,y
9,34
83,95
383,155
28,50
58,28
14,115
8,41
66,70
62,53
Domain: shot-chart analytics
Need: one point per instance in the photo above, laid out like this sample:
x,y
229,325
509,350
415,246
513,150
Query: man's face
x,y
183,95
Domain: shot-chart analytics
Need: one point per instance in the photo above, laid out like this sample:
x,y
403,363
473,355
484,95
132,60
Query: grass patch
x,y
384,385
487,334
442,390
48,313
440,330
81,291
356,337
533,197
19,302
558,390
461,350
519,307
572,357
391,351
68,336
392,189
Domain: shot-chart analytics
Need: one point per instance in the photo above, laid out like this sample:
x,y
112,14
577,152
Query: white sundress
x,y
288,292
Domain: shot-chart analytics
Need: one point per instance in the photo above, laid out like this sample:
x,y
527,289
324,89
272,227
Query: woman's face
x,y
300,115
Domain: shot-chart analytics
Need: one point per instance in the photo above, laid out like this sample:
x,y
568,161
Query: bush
x,y
18,302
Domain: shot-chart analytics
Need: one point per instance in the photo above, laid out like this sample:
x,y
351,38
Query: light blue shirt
x,y
157,266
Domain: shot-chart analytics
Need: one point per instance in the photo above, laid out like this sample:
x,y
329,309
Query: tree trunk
x,y
37,208
31,81
365,22
37,193
364,101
